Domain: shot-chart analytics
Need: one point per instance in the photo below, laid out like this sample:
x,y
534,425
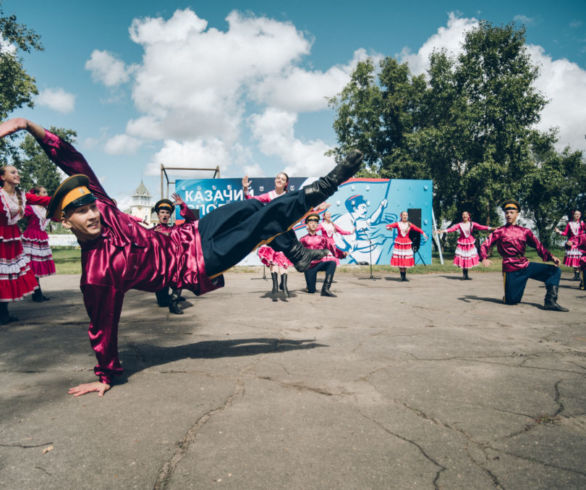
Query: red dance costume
x,y
402,251
126,256
35,241
466,255
328,230
573,254
16,277
266,254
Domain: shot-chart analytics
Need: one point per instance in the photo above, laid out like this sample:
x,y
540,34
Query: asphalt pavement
x,y
433,383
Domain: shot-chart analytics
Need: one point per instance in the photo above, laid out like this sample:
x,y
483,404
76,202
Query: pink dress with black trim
x,y
266,254
16,277
35,241
466,255
573,254
402,251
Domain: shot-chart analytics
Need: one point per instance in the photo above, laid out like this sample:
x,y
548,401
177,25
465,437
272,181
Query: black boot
x,y
325,290
318,191
163,297
551,298
466,276
576,275
275,291
283,285
38,296
581,286
404,276
4,315
302,257
174,303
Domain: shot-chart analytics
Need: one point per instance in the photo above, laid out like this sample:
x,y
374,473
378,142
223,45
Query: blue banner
x,y
361,206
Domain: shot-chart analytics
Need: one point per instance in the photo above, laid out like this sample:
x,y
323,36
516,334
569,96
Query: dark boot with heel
x,y
275,291
174,307
325,290
551,299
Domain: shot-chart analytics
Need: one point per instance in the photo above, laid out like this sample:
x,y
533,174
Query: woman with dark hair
x,y
276,261
402,250
35,242
328,228
573,229
16,277
466,255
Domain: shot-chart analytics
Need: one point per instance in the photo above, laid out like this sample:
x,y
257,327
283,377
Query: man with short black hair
x,y
511,241
118,254
327,264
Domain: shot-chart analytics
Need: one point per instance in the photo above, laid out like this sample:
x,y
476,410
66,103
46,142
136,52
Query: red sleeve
x,y
477,226
452,228
566,230
68,159
392,225
104,305
487,244
28,211
541,250
416,228
40,200
187,214
341,231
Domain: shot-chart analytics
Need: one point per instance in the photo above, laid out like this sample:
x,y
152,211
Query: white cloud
x,y
122,144
449,38
192,81
562,82
300,90
523,19
190,154
6,47
274,130
106,68
57,99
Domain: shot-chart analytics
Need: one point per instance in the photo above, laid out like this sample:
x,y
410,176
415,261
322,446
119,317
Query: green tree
x,y
555,186
34,165
17,88
467,126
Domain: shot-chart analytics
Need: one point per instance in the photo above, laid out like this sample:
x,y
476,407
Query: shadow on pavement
x,y
136,357
469,298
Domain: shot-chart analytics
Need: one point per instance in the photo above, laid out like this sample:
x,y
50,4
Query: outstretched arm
x,y
64,155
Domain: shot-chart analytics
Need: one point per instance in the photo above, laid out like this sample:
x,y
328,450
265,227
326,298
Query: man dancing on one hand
x,y
511,241
118,254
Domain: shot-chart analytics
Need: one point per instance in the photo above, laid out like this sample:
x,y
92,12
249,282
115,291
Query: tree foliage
x,y
34,165
468,125
17,87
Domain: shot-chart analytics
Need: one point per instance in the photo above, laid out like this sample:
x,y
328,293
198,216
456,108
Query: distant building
x,y
141,203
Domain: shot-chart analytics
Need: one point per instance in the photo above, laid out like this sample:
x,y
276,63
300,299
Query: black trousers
x,y
329,266
515,281
229,233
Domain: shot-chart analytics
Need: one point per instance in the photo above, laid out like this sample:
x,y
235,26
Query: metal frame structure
x,y
165,175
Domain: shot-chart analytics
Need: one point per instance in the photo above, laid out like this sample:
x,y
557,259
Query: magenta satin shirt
x,y
126,256
511,241
315,242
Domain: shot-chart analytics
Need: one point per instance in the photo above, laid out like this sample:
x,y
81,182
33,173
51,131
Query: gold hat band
x,y
74,194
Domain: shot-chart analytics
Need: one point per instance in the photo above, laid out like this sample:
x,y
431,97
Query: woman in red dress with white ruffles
x,y
573,229
35,242
276,261
466,255
328,229
16,276
402,250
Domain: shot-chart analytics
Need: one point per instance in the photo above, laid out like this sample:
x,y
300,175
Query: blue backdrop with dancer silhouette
x,y
362,206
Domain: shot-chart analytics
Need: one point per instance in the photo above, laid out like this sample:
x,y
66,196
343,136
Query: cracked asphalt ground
x,y
427,384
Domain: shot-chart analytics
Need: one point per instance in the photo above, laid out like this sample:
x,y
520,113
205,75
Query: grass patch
x,y
68,261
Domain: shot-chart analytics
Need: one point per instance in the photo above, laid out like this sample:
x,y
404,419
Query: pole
x,y
437,241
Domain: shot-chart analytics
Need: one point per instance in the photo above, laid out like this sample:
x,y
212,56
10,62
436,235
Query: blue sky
x,y
243,85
